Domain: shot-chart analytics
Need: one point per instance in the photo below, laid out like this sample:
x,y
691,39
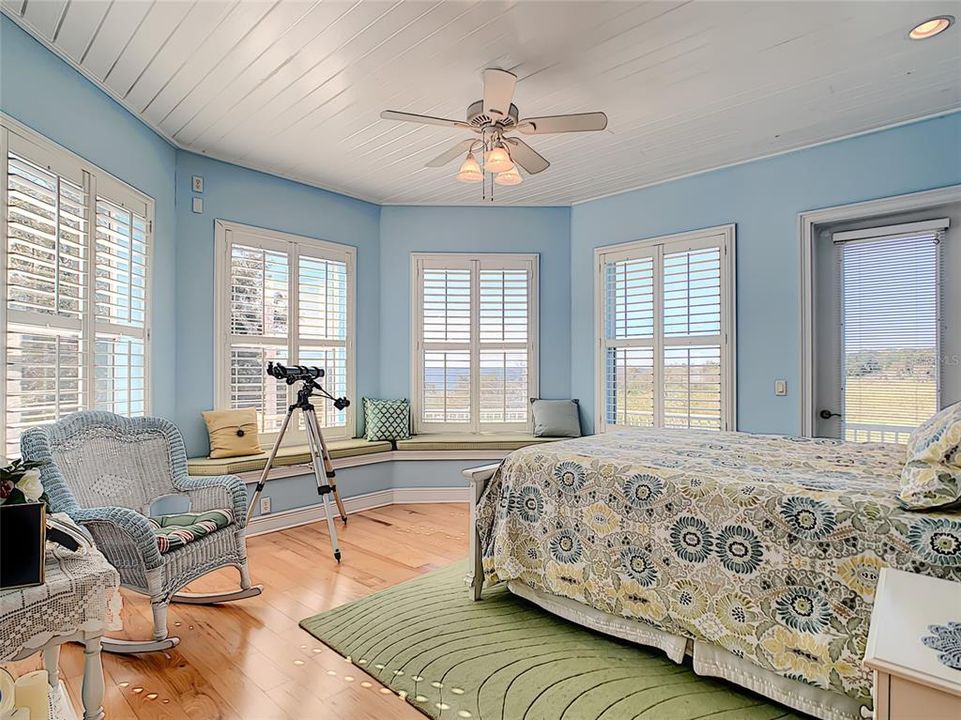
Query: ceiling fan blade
x,y
581,122
498,91
423,119
448,155
526,156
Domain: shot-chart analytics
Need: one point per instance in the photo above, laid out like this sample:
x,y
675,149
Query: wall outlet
x,y
780,387
197,183
264,505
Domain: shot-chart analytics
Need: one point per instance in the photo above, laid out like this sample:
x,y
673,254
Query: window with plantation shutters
x,y
889,333
285,299
475,342
75,287
665,348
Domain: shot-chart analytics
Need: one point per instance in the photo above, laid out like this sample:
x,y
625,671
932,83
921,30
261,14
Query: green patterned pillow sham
x,y
932,473
386,419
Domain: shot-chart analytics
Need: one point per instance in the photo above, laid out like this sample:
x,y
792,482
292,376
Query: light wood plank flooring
x,y
249,660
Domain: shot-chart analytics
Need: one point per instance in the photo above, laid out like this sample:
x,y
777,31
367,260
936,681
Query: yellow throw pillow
x,y
232,432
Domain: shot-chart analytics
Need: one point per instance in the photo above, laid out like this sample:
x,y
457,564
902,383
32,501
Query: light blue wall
x,y
763,198
542,230
43,92
254,198
300,491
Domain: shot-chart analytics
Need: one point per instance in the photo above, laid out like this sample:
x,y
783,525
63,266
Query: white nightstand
x,y
910,682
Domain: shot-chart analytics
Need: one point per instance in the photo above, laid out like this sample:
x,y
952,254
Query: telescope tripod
x,y
319,460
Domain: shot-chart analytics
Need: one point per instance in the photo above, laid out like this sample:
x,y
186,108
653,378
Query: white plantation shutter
x,y
285,299
120,297
665,354
322,308
890,323
475,343
692,338
629,330
446,340
75,279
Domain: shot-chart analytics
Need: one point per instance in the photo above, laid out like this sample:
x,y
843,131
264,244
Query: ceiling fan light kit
x,y
491,118
470,171
497,160
509,177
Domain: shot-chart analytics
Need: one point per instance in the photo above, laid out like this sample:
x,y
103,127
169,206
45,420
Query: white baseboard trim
x,y
286,519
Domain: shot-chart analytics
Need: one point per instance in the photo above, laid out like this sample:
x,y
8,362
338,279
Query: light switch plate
x,y
197,183
780,387
198,206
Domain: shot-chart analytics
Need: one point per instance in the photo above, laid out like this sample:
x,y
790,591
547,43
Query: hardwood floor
x,y
250,660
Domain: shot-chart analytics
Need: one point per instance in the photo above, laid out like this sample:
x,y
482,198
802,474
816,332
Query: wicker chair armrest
x,y
122,535
215,493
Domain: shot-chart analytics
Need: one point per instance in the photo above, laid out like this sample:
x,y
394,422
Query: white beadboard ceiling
x,y
295,87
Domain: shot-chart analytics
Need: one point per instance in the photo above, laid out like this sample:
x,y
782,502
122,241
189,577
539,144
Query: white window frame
x,y
294,246
722,236
95,181
475,262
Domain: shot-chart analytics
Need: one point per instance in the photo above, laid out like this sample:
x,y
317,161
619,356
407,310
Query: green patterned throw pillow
x,y
932,474
386,419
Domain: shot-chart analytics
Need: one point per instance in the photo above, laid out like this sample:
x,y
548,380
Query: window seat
x,y
293,455
472,441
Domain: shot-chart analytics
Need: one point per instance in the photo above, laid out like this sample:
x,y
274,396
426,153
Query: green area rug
x,y
505,659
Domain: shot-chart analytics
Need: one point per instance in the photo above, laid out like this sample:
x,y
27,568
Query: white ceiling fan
x,y
491,119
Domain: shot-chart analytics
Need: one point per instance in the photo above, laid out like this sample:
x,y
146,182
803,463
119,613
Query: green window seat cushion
x,y
175,531
471,441
293,455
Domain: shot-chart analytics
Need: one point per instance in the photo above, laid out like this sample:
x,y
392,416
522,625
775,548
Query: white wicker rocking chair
x,y
105,471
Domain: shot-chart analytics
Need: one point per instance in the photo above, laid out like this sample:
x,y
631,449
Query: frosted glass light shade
x,y
497,160
470,171
509,177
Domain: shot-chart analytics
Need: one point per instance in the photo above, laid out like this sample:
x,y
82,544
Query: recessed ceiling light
x,y
930,28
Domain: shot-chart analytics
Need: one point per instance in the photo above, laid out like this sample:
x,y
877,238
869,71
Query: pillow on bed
x,y
932,474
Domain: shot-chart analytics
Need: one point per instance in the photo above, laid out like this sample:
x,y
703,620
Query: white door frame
x,y
807,221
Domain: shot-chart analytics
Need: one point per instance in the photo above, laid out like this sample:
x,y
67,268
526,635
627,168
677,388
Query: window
x,y
287,299
889,324
75,287
665,332
475,350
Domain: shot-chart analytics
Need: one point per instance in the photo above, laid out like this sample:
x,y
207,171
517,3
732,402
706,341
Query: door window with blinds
x,y
75,287
665,343
288,299
889,290
475,349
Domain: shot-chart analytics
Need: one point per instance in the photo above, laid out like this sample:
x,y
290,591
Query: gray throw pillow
x,y
556,418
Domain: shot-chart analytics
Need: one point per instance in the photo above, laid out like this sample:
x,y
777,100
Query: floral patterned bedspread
x,y
767,546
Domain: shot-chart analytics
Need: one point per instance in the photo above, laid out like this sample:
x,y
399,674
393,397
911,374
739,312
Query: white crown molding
x,y
799,148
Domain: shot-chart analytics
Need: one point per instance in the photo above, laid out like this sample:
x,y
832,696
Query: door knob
x,y
827,414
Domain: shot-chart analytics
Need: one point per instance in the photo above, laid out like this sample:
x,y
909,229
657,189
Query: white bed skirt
x,y
709,660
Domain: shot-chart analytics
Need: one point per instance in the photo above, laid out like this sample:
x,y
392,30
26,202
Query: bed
x,y
756,555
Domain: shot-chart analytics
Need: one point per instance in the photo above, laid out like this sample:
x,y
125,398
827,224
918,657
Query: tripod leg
x,y
331,475
323,486
270,462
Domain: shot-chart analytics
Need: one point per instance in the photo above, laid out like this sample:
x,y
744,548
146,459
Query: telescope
x,y
320,460
307,374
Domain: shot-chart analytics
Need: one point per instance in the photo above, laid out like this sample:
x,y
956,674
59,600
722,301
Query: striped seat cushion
x,y
175,531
